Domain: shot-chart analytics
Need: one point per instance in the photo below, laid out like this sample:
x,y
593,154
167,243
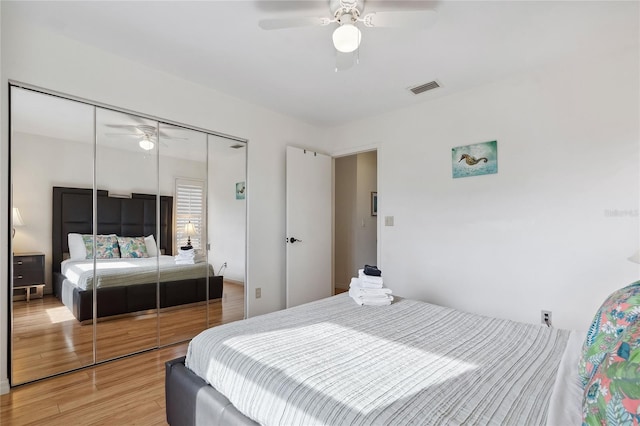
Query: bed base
x,y
140,297
191,401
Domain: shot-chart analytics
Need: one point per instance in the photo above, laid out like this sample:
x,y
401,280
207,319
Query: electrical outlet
x,y
258,293
545,317
224,264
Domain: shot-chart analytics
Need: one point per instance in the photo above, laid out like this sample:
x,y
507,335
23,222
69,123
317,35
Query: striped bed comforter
x,y
333,362
126,271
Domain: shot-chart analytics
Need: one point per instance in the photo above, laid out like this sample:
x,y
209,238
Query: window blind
x,y
190,206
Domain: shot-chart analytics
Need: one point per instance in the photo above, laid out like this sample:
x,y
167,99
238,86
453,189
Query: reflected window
x,y
190,202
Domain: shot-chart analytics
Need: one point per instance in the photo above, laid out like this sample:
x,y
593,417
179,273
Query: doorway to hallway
x,y
356,220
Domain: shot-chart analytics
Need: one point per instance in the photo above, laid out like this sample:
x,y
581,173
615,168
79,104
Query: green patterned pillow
x,y
132,247
612,396
619,310
106,246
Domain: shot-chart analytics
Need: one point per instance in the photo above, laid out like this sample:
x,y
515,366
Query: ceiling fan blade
x,y
401,19
123,134
282,23
344,61
122,126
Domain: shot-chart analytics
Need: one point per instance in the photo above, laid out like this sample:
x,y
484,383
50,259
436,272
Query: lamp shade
x,y
189,229
346,38
17,219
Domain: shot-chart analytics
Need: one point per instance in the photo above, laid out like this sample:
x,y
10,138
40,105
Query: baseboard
x,y
4,386
233,281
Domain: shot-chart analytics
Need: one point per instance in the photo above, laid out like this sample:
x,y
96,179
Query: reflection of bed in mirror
x,y
124,285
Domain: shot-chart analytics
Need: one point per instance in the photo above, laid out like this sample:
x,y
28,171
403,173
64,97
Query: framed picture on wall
x,y
240,190
474,160
374,204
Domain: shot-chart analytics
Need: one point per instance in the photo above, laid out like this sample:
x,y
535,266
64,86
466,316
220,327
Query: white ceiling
x,y
219,44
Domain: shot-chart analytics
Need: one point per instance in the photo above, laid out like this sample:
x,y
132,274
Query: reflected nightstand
x,y
28,274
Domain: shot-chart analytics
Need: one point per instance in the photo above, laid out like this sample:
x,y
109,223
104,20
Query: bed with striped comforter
x,y
334,362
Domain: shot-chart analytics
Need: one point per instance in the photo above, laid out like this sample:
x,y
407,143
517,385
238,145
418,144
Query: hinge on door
x,y
208,246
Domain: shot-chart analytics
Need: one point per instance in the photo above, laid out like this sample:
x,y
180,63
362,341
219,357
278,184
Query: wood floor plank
x,y
121,392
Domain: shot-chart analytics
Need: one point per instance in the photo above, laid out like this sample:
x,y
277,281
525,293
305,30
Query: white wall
x,y
541,233
35,56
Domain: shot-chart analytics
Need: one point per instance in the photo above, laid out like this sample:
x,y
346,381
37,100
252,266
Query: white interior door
x,y
308,226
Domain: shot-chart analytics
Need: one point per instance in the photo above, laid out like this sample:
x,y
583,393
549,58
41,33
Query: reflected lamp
x,y
17,220
190,230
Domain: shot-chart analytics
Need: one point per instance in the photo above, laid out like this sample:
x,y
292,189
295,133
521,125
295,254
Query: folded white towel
x,y
354,292
368,278
358,283
367,284
378,301
359,291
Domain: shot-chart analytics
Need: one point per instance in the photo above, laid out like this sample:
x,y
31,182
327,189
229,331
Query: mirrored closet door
x,y
227,193
183,301
129,233
52,145
126,274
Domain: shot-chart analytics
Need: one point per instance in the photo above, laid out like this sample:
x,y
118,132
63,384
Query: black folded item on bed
x,y
372,271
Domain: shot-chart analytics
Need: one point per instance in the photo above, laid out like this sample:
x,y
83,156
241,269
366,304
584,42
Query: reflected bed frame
x,y
135,216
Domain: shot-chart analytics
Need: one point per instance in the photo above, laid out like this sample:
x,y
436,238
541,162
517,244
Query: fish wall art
x,y
474,160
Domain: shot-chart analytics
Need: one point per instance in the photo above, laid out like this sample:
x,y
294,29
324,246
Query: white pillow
x,y
152,248
77,249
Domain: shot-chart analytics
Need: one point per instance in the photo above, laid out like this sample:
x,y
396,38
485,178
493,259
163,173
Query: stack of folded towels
x,y
368,288
186,257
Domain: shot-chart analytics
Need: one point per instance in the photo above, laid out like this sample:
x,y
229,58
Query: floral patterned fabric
x,y
618,311
132,247
106,246
612,396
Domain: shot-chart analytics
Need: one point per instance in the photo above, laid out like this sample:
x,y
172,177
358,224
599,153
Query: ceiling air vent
x,y
424,87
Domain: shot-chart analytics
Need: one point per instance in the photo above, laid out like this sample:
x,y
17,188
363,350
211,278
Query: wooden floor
x,y
128,391
47,339
121,392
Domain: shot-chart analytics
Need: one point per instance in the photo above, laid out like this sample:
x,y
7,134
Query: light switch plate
x,y
388,221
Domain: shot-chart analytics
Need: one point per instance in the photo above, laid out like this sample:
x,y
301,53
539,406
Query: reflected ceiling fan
x,y
146,134
348,15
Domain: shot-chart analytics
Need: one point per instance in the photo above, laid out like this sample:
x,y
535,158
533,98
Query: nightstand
x,y
28,274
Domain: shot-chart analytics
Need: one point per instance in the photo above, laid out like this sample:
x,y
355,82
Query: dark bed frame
x,y
135,216
191,401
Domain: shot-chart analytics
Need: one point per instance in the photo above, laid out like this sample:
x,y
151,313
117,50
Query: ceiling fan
x,y
146,133
348,14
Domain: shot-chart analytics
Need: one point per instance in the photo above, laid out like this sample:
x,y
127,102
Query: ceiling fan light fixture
x,y
146,144
346,38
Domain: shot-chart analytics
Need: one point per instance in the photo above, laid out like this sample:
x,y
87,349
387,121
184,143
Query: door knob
x,y
293,240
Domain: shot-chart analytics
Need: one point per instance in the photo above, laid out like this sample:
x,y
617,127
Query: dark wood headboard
x,y
129,217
